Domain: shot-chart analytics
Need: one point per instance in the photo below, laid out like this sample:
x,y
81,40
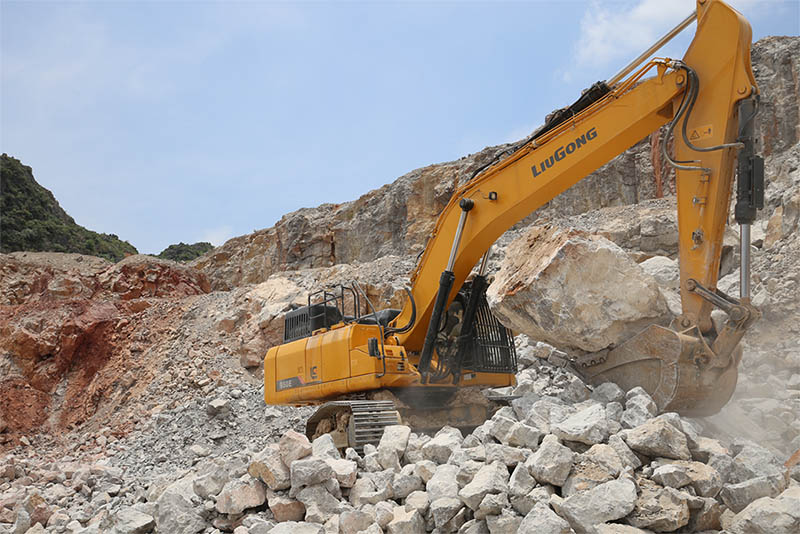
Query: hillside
x,y
183,252
32,220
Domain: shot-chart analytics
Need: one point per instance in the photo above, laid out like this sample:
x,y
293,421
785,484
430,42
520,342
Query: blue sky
x,y
186,121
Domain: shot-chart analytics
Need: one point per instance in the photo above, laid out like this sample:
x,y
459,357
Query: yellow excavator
x,y
343,354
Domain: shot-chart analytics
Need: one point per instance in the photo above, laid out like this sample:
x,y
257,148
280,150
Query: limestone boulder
x,y
320,505
239,495
658,438
293,446
268,467
492,478
285,508
766,515
659,509
574,289
176,511
589,426
551,463
609,501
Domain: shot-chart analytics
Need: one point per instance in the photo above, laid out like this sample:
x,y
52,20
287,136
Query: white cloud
x,y
611,34
217,236
622,31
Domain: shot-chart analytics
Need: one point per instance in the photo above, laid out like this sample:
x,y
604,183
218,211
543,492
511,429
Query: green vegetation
x,y
32,220
184,252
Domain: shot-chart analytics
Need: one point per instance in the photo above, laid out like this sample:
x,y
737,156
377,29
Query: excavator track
x,y
353,423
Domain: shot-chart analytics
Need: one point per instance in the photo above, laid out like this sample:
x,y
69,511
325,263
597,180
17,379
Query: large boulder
x,y
574,289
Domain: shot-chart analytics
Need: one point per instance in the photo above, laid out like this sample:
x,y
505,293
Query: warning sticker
x,y
700,133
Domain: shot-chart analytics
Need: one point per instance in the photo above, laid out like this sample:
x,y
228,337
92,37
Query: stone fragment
x,y
705,448
404,483
543,520
766,515
268,467
354,521
384,513
507,522
345,471
523,504
738,496
625,454
492,504
211,483
406,522
310,471
442,445
239,495
425,470
608,392
293,446
521,481
509,456
176,512
395,438
551,463
659,509
705,480
705,517
324,447
295,527
671,475
617,528
529,294
218,406
444,509
474,526
319,503
585,475
443,482
609,501
285,508
418,500
37,508
492,478
658,438
639,408
755,461
130,521
387,459
588,426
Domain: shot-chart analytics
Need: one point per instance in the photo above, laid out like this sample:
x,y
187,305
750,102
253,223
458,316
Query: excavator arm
x,y
689,368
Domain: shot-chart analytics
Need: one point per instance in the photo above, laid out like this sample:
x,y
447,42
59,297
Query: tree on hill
x,y
32,220
183,252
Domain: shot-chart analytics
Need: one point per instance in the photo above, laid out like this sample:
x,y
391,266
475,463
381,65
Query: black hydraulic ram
x,y
445,286
749,187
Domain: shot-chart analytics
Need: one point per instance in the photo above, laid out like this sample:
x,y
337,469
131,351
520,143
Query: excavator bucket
x,y
672,368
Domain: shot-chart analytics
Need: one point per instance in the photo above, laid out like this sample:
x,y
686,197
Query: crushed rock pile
x,y
560,459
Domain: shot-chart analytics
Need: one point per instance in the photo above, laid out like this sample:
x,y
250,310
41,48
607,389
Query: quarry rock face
x,y
573,289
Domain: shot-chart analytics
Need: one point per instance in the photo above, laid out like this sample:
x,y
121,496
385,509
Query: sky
x,y
184,121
